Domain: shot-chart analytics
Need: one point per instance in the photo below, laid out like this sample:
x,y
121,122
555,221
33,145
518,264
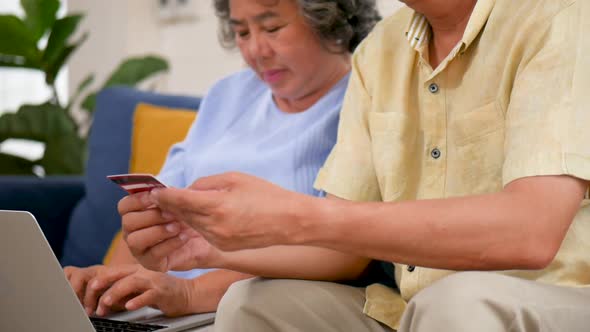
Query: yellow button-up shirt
x,y
508,102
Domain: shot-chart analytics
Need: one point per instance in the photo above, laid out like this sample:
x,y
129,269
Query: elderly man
x,y
464,145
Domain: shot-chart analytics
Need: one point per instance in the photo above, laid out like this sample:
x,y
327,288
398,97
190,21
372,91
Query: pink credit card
x,y
136,183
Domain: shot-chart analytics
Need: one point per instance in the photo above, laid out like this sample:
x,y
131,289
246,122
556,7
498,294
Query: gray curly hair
x,y
338,23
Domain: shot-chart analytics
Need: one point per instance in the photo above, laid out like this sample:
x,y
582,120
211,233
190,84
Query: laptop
x,y
36,296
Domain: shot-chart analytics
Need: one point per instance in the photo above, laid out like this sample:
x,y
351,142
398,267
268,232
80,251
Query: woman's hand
x,y
159,243
235,211
81,280
136,287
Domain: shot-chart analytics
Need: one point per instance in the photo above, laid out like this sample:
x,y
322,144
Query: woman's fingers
x,y
137,220
144,239
147,298
79,278
94,290
120,292
77,281
103,280
133,203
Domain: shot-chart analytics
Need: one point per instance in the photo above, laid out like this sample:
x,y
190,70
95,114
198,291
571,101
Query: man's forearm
x,y
296,262
120,253
519,228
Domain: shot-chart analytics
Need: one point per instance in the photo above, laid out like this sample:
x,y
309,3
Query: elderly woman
x,y
276,120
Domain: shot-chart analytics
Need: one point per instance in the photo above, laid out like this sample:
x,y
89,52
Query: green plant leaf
x,y
129,73
40,15
64,154
134,70
48,123
14,165
61,31
52,68
35,122
89,103
17,40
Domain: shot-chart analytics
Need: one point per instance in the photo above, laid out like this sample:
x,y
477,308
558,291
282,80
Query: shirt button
x,y
411,268
435,153
433,88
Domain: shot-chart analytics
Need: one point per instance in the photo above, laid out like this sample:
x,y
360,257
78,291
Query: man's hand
x,y
159,243
234,211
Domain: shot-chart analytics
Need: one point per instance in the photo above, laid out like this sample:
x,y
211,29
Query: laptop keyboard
x,y
108,325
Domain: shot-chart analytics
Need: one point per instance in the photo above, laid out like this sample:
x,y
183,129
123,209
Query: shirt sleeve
x,y
172,173
548,115
349,172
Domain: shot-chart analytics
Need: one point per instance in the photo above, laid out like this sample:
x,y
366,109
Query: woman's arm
x,y
120,253
208,289
133,287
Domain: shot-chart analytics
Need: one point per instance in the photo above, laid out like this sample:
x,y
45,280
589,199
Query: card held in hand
x,y
136,183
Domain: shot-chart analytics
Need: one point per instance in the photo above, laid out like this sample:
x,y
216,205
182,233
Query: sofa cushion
x,y
50,199
95,219
155,130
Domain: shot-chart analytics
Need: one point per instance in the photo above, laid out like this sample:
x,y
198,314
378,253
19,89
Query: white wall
x,y
119,29
19,86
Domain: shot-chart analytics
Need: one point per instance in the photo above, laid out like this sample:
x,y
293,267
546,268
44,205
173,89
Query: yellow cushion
x,y
155,130
107,257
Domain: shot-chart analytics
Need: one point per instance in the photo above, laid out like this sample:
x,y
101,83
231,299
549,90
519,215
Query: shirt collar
x,y
418,29
477,21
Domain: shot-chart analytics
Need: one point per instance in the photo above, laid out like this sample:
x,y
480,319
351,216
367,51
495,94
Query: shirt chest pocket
x,y
476,151
393,143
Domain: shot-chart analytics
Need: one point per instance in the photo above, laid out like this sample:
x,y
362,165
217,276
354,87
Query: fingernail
x,y
94,285
172,227
108,300
183,237
99,311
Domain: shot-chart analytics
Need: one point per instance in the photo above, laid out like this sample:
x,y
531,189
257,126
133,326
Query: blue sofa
x,y
78,215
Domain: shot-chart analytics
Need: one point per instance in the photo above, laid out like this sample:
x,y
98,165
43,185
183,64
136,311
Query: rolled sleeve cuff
x,y
346,187
546,164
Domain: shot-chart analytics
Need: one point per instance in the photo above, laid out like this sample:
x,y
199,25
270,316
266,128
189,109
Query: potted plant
x,y
52,122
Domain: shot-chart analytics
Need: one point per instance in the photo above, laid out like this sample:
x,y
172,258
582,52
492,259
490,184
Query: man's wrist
x,y
220,260
308,217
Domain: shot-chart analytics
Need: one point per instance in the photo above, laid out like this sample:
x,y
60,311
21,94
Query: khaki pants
x,y
467,301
